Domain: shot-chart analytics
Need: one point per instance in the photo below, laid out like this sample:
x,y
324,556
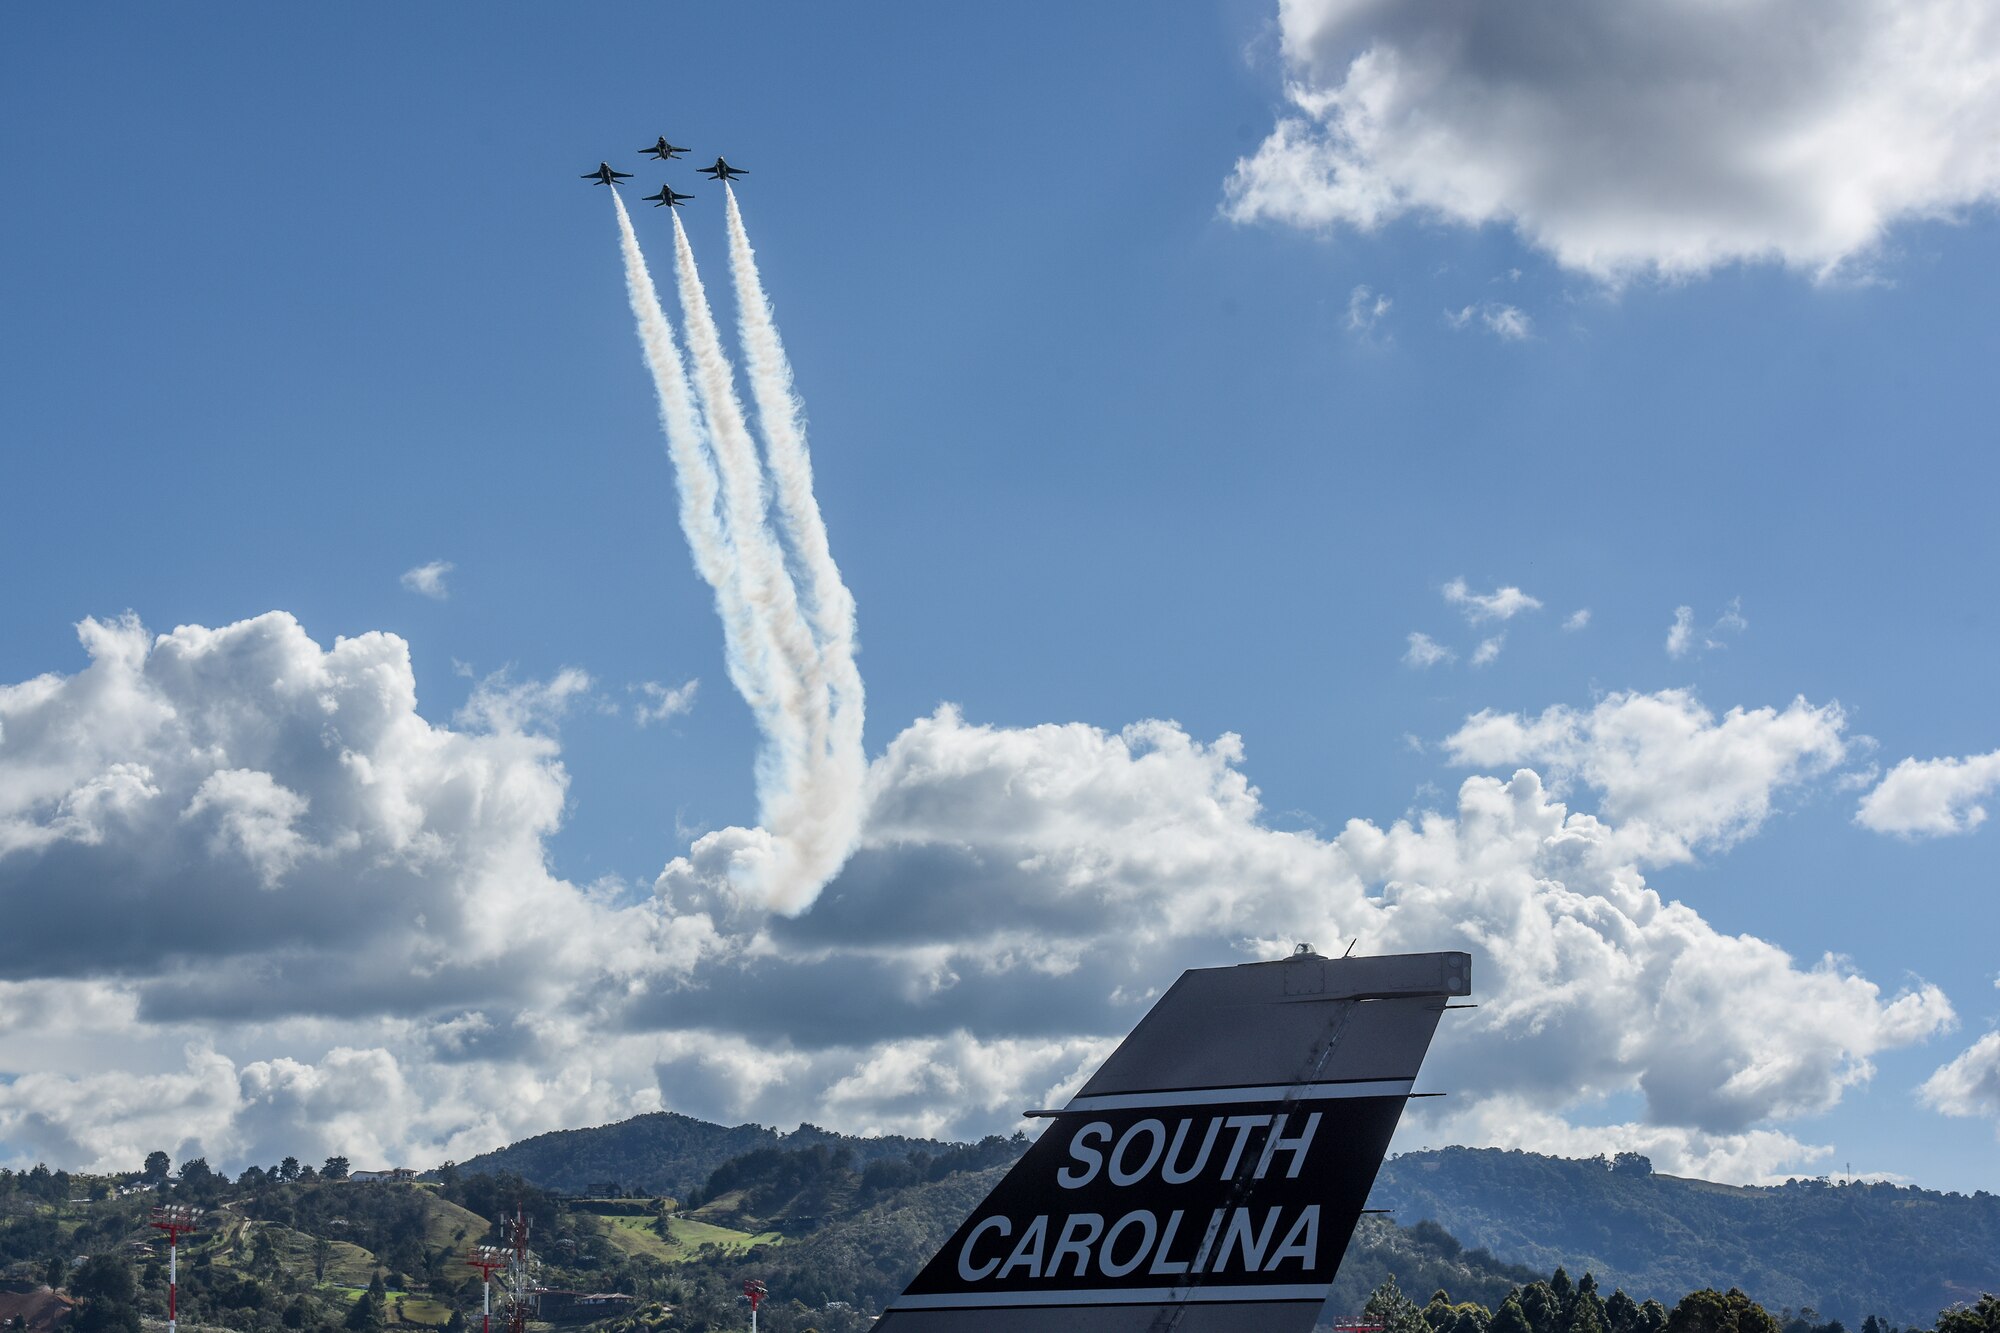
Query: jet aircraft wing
x,y
1209,1175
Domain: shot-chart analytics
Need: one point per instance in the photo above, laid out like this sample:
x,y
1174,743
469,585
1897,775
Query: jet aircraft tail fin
x,y
1209,1175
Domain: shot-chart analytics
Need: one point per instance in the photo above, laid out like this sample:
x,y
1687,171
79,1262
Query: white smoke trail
x,y
748,650
806,802
780,416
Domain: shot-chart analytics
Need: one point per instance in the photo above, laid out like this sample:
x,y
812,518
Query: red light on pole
x,y
754,1290
177,1220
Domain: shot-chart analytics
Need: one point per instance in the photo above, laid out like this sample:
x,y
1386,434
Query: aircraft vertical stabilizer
x,y
1208,1177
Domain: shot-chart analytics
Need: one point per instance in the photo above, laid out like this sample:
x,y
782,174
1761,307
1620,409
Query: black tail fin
x,y
1207,1178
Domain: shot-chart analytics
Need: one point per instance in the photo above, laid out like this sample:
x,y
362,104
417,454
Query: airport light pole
x,y
177,1220
488,1259
754,1290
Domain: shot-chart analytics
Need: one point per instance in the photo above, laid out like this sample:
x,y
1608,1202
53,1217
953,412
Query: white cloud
x,y
1681,633
1674,778
1500,604
1577,620
1931,798
1662,136
1684,636
1488,650
1970,1084
1424,651
364,948
428,580
664,703
500,703
1509,323
1754,1156
1365,310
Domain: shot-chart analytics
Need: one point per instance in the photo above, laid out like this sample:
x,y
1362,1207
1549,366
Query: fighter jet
x,y
664,150
666,198
604,175
722,171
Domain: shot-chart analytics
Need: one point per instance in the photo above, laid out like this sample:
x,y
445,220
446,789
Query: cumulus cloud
x,y
1969,1085
428,580
1674,778
1930,798
1757,1156
1488,650
336,946
1500,604
1663,137
230,797
1577,620
1424,651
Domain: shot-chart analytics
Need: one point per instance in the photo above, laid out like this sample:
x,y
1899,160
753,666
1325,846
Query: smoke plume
x,y
791,660
781,418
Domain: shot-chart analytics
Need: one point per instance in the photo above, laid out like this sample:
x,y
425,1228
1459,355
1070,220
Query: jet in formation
x,y
604,175
722,171
664,150
666,198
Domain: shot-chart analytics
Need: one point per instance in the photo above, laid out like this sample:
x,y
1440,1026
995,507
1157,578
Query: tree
x,y
1981,1318
1397,1313
107,1301
288,1169
157,1166
335,1169
1711,1311
56,1273
1540,1304
322,1255
365,1314
1621,1312
1588,1316
1511,1318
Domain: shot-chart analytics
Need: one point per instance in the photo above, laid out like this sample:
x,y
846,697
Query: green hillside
x,y
663,1153
1846,1250
837,1226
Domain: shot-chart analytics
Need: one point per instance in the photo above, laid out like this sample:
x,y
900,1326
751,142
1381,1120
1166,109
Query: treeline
x,y
666,1153
1559,1305
1848,1248
769,1177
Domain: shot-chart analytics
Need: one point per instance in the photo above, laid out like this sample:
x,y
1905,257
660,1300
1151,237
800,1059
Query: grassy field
x,y
635,1236
450,1227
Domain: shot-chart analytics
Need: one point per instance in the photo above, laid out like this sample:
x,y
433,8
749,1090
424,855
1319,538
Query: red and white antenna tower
x,y
754,1290
177,1220
520,1296
488,1259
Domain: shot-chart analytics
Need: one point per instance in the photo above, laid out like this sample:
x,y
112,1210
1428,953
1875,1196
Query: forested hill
x,y
665,1153
1847,1250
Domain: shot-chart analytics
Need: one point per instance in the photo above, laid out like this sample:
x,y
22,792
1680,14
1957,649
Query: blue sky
x,y
301,300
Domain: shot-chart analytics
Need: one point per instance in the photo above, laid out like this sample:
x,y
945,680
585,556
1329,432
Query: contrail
x,y
806,799
750,654
781,419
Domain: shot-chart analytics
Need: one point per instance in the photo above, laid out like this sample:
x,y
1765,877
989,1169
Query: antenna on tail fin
x,y
1208,1176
